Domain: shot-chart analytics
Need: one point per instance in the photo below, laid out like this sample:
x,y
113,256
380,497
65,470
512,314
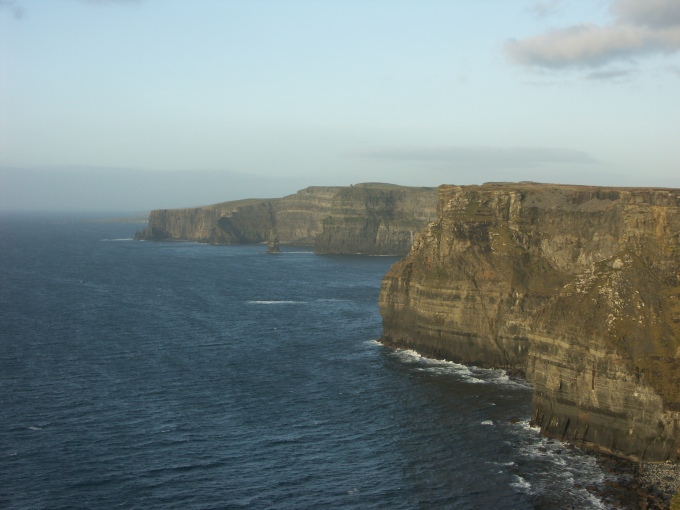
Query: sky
x,y
145,104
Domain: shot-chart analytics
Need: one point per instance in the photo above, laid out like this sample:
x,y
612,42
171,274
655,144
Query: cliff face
x,y
238,222
577,287
375,219
299,217
366,218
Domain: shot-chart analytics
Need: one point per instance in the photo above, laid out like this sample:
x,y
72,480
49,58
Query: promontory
x,y
576,287
369,218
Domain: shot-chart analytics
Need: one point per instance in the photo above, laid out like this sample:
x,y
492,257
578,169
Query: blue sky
x,y
142,104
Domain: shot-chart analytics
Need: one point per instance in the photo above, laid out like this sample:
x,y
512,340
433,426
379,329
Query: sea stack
x,y
273,243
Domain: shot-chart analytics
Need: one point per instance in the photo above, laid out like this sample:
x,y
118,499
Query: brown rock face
x,y
299,217
577,287
238,222
378,219
367,218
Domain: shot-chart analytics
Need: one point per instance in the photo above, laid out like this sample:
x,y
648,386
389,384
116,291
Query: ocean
x,y
140,375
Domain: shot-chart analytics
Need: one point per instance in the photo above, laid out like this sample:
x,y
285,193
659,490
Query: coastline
x,y
638,485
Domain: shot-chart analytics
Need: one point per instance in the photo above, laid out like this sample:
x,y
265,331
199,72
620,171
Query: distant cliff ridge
x,y
369,218
577,287
377,219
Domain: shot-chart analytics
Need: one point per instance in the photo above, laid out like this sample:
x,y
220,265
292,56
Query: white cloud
x,y
651,13
15,8
612,74
544,9
109,1
642,27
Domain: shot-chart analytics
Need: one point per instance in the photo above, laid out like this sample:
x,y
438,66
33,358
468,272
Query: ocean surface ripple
x,y
187,376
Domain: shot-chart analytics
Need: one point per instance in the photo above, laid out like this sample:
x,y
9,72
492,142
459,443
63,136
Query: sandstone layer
x,y
377,219
372,218
576,287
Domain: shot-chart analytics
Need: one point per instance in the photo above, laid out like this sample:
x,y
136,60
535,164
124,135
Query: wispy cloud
x,y
544,9
613,74
103,2
640,28
483,157
651,13
19,11
15,8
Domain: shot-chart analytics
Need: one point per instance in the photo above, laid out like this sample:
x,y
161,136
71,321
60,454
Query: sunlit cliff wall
x,y
576,287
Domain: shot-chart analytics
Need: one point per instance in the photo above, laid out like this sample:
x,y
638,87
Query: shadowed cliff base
x,y
370,218
578,287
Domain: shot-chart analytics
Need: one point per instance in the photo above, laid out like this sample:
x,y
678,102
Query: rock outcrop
x,y
576,287
379,219
239,222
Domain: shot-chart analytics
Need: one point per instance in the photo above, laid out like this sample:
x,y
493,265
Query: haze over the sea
x,y
141,104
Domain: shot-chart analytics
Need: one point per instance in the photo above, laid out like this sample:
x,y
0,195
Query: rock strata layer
x,y
376,219
576,287
372,218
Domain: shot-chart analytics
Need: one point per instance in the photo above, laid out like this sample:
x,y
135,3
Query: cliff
x,y
576,287
299,217
365,218
375,218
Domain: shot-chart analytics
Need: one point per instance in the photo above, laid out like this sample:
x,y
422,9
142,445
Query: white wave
x,y
409,355
526,425
463,374
276,302
34,428
570,467
441,367
521,485
414,357
474,380
121,239
471,374
487,422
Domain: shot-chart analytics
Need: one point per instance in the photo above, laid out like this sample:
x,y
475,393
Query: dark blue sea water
x,y
179,375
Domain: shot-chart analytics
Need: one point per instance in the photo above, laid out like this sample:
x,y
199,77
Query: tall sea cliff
x,y
370,218
576,287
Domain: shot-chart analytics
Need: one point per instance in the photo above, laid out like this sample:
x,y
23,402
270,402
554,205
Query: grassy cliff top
x,y
541,186
233,204
387,186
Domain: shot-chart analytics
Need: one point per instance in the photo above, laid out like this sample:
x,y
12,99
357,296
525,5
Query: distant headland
x,y
369,218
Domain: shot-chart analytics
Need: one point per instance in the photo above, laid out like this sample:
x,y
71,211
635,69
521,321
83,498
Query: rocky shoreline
x,y
638,485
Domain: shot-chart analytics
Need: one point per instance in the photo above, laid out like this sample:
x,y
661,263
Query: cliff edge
x,y
576,287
